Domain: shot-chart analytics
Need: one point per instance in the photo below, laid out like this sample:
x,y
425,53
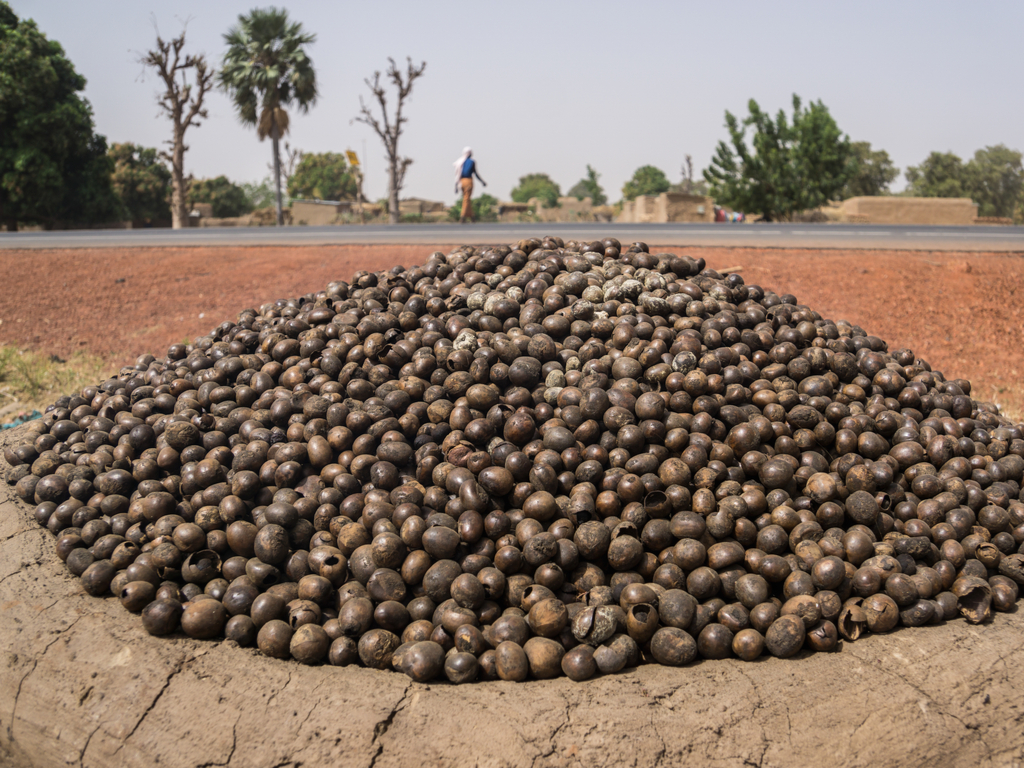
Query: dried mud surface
x,y
962,312
82,684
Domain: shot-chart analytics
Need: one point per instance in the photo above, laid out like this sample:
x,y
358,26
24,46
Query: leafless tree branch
x,y
182,101
390,130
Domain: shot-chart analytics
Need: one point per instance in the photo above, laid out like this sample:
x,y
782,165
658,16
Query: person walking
x,y
465,170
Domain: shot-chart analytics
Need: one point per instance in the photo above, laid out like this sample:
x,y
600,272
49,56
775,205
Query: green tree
x,y
141,182
227,198
322,176
588,187
537,185
260,194
53,168
793,164
266,69
995,180
942,174
647,180
485,208
873,172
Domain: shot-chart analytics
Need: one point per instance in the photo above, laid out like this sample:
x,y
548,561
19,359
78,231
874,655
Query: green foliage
x,y
141,182
260,194
647,180
53,168
690,187
792,166
323,176
485,208
996,181
537,185
588,187
940,175
227,198
873,172
266,68
993,178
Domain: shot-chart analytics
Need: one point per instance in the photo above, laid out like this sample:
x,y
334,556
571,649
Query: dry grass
x,y
1008,396
34,380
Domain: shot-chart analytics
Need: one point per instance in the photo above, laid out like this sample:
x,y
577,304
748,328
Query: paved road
x,y
727,235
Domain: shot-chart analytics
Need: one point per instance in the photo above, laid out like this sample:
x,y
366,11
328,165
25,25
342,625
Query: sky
x,y
550,87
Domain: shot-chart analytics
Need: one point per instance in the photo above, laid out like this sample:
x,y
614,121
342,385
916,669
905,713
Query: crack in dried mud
x,y
382,727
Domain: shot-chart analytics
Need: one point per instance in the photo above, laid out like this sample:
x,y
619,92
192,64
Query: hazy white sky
x,y
552,86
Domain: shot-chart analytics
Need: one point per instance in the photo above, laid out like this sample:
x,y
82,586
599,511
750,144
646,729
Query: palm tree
x,y
265,69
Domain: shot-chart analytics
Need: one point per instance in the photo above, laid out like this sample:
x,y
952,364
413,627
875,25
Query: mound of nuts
x,y
533,460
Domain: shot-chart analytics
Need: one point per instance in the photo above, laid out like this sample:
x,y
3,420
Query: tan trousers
x,y
467,206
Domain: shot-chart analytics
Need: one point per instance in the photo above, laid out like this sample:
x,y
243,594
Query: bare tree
x,y
390,129
183,103
688,175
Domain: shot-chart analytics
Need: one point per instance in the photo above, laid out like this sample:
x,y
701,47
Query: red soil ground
x,y
960,311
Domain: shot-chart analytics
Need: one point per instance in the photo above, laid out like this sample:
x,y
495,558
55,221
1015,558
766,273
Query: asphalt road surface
x,y
818,236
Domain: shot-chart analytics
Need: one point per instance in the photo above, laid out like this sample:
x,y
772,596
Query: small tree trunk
x,y
10,222
393,192
179,209
277,180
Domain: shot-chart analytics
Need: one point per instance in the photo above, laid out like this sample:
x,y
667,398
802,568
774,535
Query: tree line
x,y
799,162
56,171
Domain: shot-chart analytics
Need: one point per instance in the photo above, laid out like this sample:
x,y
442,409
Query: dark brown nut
x,y
715,641
676,608
823,638
902,590
881,613
1012,566
748,644
751,590
97,578
136,595
309,644
204,619
423,661
785,637
241,630
673,647
544,656
1004,593
343,652
763,614
511,662
548,618
917,615
804,606
274,639
461,668
162,617
376,648
579,663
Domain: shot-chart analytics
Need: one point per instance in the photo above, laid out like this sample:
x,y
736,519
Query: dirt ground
x,y
960,311
82,684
